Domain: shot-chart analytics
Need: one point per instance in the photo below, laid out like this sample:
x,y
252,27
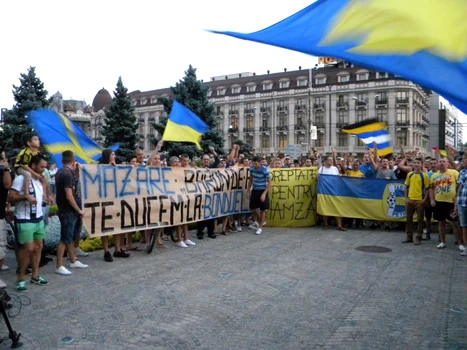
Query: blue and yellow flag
x,y
422,40
370,131
364,198
184,126
57,134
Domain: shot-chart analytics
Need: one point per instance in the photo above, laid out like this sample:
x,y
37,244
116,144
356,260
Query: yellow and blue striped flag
x,y
421,40
184,126
57,134
370,131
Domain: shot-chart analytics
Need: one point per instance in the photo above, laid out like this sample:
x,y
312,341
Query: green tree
x,y
245,148
29,95
190,92
120,124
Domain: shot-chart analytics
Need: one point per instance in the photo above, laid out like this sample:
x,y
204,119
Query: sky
x,y
78,47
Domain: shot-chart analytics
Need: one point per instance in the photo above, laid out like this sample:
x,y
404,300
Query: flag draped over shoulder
x,y
408,38
370,131
184,126
57,134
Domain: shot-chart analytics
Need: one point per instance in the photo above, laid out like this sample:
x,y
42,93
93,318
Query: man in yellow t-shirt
x,y
416,194
443,192
355,171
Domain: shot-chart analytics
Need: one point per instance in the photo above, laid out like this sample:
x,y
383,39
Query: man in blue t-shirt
x,y
260,181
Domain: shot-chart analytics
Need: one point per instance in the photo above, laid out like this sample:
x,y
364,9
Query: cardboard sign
x,y
119,199
295,151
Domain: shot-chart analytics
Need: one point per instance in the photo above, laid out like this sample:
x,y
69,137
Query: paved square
x,y
287,289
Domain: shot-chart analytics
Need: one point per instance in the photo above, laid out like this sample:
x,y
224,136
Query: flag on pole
x,y
184,126
408,38
57,134
370,131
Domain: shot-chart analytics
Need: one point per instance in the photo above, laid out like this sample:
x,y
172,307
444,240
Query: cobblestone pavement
x,y
287,289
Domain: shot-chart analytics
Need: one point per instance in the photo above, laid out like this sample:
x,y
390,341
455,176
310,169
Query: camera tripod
x,y
15,343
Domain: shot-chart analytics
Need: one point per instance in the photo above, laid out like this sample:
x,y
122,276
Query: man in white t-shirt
x,y
29,221
329,169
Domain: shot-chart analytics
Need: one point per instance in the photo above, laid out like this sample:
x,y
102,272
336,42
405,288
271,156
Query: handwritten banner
x,y
293,197
119,199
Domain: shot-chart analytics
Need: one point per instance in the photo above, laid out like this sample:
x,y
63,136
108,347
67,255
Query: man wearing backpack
x,y
416,194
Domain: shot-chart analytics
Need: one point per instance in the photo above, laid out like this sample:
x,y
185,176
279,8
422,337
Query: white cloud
x,y
79,47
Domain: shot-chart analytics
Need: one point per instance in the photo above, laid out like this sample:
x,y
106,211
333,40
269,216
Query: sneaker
x,y
79,252
464,253
62,270
121,254
213,236
78,265
108,257
39,280
259,231
2,284
441,245
461,248
4,268
387,228
253,226
238,227
426,236
188,242
181,245
21,286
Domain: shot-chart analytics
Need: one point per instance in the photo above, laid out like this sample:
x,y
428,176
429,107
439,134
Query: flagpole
x,y
310,85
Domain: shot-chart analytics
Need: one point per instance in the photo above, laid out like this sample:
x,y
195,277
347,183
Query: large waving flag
x,y
57,134
422,40
184,126
370,131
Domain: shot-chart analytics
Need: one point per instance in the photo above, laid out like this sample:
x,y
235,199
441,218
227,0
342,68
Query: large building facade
x,y
274,110
446,127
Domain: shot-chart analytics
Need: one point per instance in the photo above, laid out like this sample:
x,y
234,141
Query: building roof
x,y
101,100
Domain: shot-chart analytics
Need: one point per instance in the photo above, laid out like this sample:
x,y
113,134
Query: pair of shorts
x,y
3,238
462,216
68,223
30,231
428,210
256,203
442,211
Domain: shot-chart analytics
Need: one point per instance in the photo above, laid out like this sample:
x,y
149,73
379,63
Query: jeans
x,y
413,207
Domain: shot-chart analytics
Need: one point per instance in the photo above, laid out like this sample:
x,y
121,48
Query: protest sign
x,y
119,199
295,151
293,197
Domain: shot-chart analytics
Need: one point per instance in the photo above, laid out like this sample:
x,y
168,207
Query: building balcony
x,y
319,125
99,138
426,137
233,130
319,106
300,108
403,123
265,130
283,129
342,105
265,110
141,120
299,129
402,101
420,126
425,120
233,113
220,115
341,125
381,102
249,111
362,103
249,130
282,110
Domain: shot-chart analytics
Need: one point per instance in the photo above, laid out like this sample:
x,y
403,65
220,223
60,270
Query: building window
x,y
382,114
362,97
300,121
381,75
361,113
320,79
402,137
343,139
362,75
341,117
221,92
319,100
265,141
319,118
284,84
267,86
321,139
401,115
302,82
282,122
209,95
234,123
236,89
250,123
251,88
265,124
283,141
343,78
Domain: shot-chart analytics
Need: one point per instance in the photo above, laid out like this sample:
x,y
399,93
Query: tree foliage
x,y
120,124
29,95
190,92
245,148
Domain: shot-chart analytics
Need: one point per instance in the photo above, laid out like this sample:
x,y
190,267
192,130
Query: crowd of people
x,y
435,189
